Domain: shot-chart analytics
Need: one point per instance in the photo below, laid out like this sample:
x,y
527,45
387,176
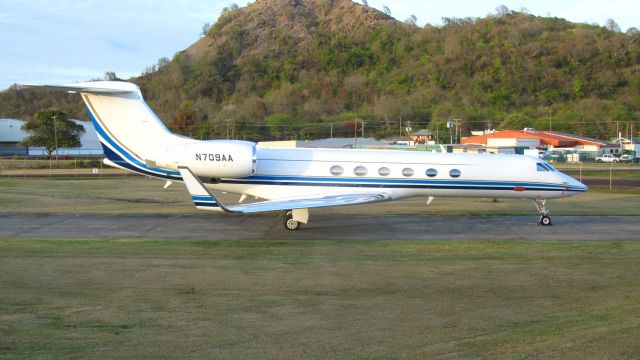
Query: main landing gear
x,y
294,218
542,209
289,223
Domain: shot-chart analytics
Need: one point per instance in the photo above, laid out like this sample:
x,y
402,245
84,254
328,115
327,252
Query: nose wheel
x,y
545,220
289,223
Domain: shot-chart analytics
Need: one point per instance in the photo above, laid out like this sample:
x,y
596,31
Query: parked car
x,y
556,156
607,158
626,158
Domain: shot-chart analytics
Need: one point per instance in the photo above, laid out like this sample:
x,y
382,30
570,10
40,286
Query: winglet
x,y
202,198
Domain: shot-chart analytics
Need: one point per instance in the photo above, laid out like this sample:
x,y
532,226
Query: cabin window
x,y
454,173
360,171
541,167
408,172
336,170
384,171
432,172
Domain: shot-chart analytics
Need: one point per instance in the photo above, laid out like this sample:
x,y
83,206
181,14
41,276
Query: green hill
x,y
283,68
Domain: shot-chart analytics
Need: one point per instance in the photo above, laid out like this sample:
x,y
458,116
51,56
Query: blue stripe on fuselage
x,y
399,183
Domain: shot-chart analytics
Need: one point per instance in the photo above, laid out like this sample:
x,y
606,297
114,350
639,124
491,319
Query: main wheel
x,y
289,223
545,220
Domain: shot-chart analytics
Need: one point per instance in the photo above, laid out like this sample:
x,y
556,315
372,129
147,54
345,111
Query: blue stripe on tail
x,y
204,201
129,161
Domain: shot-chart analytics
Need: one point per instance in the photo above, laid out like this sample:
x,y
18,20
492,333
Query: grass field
x,y
266,298
141,195
292,300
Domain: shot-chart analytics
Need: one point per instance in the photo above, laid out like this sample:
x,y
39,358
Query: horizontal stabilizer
x,y
200,193
95,87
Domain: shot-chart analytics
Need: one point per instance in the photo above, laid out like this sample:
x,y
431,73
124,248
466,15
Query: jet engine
x,y
215,158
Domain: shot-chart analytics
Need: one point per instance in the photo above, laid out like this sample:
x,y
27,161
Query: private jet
x,y
294,180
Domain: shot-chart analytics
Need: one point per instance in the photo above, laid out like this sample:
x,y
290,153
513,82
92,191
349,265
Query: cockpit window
x,y
541,167
551,168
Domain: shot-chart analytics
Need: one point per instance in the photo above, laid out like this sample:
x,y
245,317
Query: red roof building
x,y
547,138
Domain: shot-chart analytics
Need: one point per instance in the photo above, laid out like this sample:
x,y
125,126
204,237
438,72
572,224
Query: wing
x,y
309,202
205,200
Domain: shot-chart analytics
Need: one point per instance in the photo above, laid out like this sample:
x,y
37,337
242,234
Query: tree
x,y
51,129
386,10
205,29
516,122
111,76
412,20
578,88
632,31
231,7
279,125
365,3
162,62
184,120
502,10
612,25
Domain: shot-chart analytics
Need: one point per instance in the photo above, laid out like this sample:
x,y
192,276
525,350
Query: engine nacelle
x,y
215,158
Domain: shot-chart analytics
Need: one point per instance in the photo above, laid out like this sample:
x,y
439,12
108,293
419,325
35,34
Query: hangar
x,y
542,139
11,134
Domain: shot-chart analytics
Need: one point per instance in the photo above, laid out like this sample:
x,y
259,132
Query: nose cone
x,y
573,186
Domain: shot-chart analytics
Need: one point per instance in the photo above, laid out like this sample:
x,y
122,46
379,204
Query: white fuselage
x,y
287,172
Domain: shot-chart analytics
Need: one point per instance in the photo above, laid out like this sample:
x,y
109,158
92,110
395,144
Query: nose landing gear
x,y
542,209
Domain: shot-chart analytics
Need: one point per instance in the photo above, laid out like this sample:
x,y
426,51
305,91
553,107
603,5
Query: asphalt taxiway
x,y
322,227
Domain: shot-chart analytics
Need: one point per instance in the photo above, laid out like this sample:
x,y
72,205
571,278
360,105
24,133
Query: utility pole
x,y
331,130
452,123
55,135
362,129
355,133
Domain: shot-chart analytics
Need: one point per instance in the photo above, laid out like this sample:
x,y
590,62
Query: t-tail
x,y
134,138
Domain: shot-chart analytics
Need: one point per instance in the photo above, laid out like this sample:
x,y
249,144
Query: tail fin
x,y
127,128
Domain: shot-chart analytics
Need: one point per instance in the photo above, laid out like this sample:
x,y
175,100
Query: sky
x,y
63,41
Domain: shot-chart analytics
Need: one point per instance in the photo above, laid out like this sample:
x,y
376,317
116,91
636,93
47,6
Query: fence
x,y
65,166
609,175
